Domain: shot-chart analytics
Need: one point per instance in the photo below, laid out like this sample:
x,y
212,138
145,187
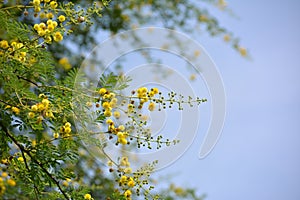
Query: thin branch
x,y
36,191
25,79
34,160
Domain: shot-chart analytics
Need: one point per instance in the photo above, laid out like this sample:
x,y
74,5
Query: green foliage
x,y
114,82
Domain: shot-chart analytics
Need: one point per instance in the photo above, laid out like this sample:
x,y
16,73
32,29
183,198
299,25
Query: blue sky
x,y
258,154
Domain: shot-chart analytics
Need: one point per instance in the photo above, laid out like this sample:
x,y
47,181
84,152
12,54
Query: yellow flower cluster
x,y
109,102
37,4
88,197
66,129
17,48
48,31
42,108
126,181
127,194
119,131
6,180
64,62
144,95
66,182
14,109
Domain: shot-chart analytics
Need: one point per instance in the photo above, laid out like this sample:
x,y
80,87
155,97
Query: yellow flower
x,y
4,174
122,140
54,23
192,77
89,104
41,33
49,21
46,102
34,108
50,27
50,15
124,162
109,121
42,96
11,182
130,107
14,44
226,38
7,107
242,51
117,114
106,105
107,113
121,128
19,45
15,110
102,91
178,191
36,2
57,37
196,53
31,115
109,163
68,124
87,196
151,94
61,18
42,26
4,161
155,90
4,44
142,90
65,183
48,39
21,159
113,102
53,4
56,135
37,9
151,106
127,170
131,182
43,15
127,193
144,99
64,62
40,107
123,179
67,130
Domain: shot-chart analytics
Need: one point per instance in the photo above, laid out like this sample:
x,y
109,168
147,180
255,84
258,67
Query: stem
x,y
36,191
25,79
16,6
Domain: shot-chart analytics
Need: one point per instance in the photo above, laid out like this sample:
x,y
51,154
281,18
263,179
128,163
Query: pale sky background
x,y
258,154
